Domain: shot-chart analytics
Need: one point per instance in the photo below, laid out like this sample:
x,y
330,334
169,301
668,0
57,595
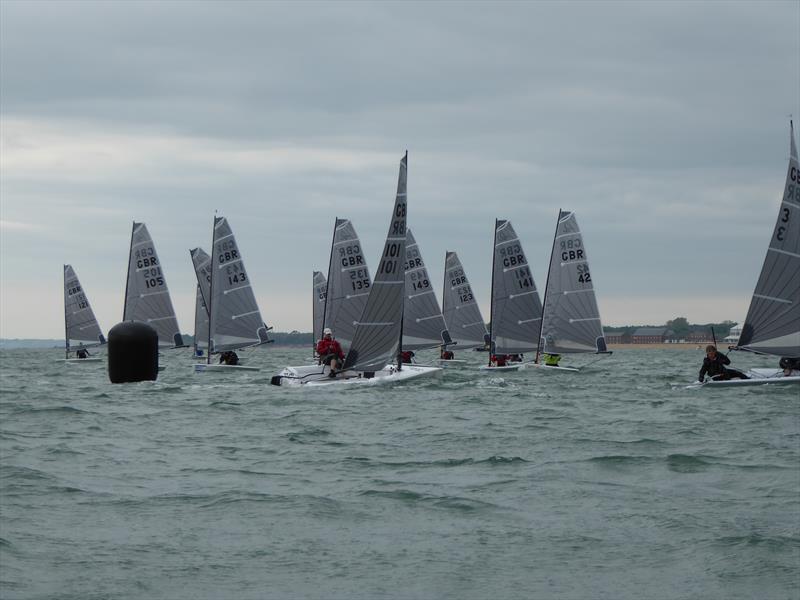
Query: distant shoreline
x,y
676,346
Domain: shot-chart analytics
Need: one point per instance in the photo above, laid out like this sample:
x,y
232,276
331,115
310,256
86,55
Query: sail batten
x,y
571,319
377,334
459,308
147,296
516,307
81,327
772,325
234,319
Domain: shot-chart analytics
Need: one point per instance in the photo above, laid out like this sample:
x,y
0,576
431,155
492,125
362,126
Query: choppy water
x,y
607,484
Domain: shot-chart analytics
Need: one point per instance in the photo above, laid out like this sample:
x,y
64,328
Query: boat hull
x,y
515,367
205,368
316,375
546,368
73,361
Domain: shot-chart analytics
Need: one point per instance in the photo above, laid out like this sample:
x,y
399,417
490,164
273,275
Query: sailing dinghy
x,y
460,310
146,294
423,323
378,332
234,318
516,309
772,325
202,269
80,325
570,317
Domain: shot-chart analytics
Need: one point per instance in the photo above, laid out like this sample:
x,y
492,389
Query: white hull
x,y
544,367
757,377
315,375
72,361
205,368
453,362
515,367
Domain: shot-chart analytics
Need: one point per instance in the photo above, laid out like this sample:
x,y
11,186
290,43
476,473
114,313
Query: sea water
x,y
616,482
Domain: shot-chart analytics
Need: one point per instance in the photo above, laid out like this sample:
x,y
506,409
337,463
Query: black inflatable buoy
x,y
132,352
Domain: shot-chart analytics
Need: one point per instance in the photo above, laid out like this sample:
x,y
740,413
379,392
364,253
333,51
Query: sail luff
x,y
772,324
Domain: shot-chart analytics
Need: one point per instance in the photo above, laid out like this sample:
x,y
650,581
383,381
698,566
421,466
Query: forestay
x,y
516,308
423,323
348,283
235,321
772,325
320,292
459,307
82,329
146,294
571,319
377,334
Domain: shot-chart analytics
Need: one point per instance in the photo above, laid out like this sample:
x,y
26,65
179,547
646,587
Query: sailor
x,y
82,353
406,356
514,357
498,360
551,360
714,364
329,351
790,366
229,358
446,354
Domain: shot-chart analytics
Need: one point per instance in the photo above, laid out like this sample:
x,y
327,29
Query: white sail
x,y
772,325
348,283
146,294
377,334
423,323
81,327
459,307
571,319
320,293
516,308
202,270
235,320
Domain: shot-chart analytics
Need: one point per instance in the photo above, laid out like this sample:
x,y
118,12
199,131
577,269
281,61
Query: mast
x,y
444,298
546,285
127,280
403,301
328,282
211,286
66,326
491,296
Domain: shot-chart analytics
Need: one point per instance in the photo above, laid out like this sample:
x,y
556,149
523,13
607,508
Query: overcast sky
x,y
664,126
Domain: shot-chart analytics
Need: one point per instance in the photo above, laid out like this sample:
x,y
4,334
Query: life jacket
x,y
447,355
406,356
551,360
499,360
325,347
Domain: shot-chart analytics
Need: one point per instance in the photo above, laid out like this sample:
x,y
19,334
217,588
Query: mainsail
x,y
571,319
516,308
81,328
146,294
200,322
459,307
235,321
423,323
377,333
772,325
202,269
320,290
348,283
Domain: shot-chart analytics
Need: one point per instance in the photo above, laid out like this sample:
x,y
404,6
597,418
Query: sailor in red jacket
x,y
329,351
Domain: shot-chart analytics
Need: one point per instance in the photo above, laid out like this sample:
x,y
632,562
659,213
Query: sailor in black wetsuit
x,y
714,364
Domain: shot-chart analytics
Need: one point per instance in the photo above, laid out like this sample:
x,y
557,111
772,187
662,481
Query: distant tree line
x,y
680,326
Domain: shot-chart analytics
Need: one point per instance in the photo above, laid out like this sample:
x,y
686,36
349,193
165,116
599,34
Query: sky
x,y
663,125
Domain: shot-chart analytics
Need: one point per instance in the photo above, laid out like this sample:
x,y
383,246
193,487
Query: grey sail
x,y
200,322
377,333
82,329
516,308
348,283
320,292
423,323
202,269
146,295
459,307
571,319
235,321
772,325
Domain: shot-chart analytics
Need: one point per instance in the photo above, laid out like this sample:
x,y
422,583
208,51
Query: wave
x,y
688,463
447,502
445,462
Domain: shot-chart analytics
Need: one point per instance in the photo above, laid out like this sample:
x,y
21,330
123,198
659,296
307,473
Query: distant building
x,y
618,338
734,334
650,335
